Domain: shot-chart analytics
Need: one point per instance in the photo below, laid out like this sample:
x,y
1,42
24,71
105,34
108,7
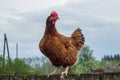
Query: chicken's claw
x,y
53,73
49,75
63,75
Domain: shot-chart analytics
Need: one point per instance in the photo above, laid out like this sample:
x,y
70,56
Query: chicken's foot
x,y
63,74
54,72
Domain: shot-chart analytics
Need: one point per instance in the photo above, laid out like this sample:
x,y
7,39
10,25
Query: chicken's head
x,y
53,17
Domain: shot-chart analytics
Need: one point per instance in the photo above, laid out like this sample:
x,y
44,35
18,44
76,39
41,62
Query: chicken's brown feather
x,y
61,50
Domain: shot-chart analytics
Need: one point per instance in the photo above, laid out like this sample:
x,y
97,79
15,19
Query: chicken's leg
x,y
64,73
54,72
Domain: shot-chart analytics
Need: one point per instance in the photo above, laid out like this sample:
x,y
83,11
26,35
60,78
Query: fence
x,y
85,76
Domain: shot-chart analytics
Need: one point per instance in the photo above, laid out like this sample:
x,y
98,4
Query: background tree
x,y
86,61
18,66
112,63
1,62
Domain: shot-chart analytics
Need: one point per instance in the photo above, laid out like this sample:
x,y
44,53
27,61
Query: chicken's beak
x,y
58,18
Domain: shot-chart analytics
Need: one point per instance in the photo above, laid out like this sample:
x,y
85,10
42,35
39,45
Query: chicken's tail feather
x,y
78,38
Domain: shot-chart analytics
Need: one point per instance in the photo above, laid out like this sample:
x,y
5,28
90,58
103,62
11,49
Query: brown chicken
x,y
61,51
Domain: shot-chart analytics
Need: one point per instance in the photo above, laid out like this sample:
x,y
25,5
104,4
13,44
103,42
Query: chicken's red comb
x,y
54,13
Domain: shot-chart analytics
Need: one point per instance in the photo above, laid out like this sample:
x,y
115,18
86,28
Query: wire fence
x,y
85,76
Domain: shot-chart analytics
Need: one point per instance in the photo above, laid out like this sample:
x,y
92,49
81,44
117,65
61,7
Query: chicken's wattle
x,y
54,21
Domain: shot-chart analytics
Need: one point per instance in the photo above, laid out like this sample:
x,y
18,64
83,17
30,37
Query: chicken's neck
x,y
51,30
